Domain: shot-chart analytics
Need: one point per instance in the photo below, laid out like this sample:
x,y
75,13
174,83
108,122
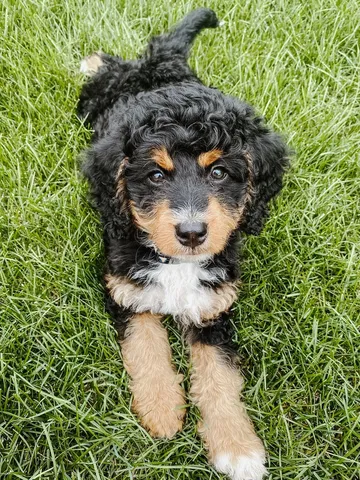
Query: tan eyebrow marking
x,y
207,158
162,158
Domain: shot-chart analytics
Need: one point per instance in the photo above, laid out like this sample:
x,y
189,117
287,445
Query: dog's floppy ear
x,y
267,158
104,168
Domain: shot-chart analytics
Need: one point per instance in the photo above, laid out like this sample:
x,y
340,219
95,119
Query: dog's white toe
x,y
243,467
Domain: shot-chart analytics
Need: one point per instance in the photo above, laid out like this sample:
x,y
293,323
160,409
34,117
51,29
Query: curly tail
x,y
179,40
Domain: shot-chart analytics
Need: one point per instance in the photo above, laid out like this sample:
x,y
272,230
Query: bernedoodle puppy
x,y
178,171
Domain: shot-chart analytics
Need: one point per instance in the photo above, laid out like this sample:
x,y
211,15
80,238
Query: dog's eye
x,y
156,176
218,173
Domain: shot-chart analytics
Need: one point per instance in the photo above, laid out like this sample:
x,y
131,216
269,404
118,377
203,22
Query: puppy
x,y
178,171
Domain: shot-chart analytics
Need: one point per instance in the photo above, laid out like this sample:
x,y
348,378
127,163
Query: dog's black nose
x,y
191,234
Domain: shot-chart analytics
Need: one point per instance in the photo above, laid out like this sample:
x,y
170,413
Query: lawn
x,y
64,408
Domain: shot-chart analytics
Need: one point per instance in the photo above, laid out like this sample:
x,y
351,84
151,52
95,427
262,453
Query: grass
x,y
64,411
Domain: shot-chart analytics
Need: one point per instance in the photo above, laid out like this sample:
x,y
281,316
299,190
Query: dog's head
x,y
189,168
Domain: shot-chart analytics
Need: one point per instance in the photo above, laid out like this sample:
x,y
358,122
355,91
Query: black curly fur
x,y
158,100
218,334
119,314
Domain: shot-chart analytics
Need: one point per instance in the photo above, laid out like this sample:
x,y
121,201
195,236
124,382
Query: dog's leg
x,y
158,397
109,77
229,436
91,64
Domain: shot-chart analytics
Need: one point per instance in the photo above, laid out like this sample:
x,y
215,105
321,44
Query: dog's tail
x,y
179,40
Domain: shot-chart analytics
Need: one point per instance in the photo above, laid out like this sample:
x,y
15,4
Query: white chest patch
x,y
175,289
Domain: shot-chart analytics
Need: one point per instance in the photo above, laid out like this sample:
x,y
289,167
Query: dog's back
x,y
164,62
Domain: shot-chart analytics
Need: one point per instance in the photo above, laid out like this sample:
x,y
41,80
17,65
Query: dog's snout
x,y
191,234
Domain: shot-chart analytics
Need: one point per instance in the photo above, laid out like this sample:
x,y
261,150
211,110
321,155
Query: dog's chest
x,y
176,289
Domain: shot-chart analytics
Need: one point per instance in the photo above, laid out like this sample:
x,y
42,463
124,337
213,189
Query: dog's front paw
x,y
161,408
232,444
235,449
241,467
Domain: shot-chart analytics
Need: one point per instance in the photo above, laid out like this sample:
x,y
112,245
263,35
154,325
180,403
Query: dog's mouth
x,y
192,254
192,257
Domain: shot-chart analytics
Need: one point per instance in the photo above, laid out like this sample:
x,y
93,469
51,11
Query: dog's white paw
x,y
91,64
243,467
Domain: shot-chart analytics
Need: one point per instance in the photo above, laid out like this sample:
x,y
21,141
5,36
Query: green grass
x,y
64,411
